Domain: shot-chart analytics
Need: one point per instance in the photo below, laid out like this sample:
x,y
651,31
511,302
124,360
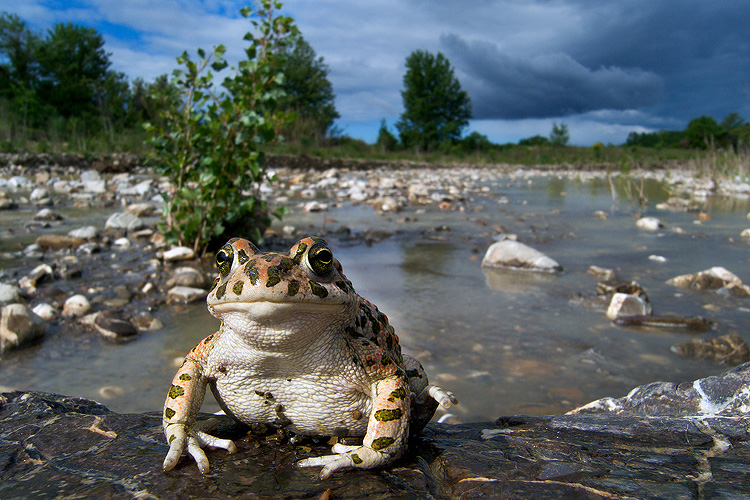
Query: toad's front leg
x,y
183,402
387,432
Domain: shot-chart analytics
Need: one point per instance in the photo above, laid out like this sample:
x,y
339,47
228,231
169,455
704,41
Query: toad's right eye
x,y
224,259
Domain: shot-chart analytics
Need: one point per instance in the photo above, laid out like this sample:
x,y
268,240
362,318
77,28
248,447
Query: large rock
x,y
19,326
716,278
62,447
515,255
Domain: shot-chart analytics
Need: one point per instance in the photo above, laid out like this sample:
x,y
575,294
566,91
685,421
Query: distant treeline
x,y
703,133
58,93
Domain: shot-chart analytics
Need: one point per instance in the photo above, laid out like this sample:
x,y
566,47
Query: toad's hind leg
x,y
426,397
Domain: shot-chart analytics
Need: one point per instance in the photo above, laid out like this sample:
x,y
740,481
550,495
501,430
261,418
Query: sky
x,y
605,68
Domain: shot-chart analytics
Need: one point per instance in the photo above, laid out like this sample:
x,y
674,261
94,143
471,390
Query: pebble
x,y
141,209
40,196
515,255
58,241
122,243
85,233
112,325
76,306
314,206
649,223
48,215
9,294
146,323
178,253
187,276
124,220
19,326
625,304
45,311
745,233
602,273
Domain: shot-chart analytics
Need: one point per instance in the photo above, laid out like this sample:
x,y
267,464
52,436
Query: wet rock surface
x,y
676,441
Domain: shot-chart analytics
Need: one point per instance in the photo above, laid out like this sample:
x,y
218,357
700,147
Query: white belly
x,y
305,405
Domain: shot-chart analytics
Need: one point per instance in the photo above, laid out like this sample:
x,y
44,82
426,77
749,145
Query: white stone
x,y
20,182
45,311
85,233
185,294
649,223
95,187
90,175
76,306
516,255
124,220
38,194
178,253
47,214
625,304
9,294
314,206
657,258
122,243
19,326
745,233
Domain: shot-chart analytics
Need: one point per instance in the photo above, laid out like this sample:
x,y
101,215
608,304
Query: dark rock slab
x,y
55,446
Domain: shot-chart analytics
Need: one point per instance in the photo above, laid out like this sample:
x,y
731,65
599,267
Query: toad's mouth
x,y
268,310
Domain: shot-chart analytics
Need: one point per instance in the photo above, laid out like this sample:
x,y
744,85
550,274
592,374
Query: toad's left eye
x,y
320,259
224,258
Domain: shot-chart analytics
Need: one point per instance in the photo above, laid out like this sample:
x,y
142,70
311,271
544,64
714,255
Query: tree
x,y
537,140
73,67
208,142
436,109
308,92
386,140
18,66
732,121
703,131
559,135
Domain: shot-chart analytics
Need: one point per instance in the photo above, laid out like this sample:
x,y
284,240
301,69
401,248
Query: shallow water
x,y
504,342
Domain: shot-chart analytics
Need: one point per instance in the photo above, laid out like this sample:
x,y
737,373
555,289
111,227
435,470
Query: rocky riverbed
x,y
82,263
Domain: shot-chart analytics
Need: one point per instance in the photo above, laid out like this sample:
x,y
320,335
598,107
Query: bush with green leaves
x,y
208,141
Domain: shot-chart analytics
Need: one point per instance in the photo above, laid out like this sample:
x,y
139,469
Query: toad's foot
x,y
347,457
195,438
443,397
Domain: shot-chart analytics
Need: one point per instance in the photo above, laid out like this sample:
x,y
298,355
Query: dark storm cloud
x,y
545,85
675,58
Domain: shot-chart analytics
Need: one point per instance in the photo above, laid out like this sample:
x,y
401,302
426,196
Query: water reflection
x,y
517,282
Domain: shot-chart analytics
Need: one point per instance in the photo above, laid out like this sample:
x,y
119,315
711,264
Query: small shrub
x,y
208,142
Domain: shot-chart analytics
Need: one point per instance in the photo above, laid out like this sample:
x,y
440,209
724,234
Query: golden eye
x,y
224,259
320,259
